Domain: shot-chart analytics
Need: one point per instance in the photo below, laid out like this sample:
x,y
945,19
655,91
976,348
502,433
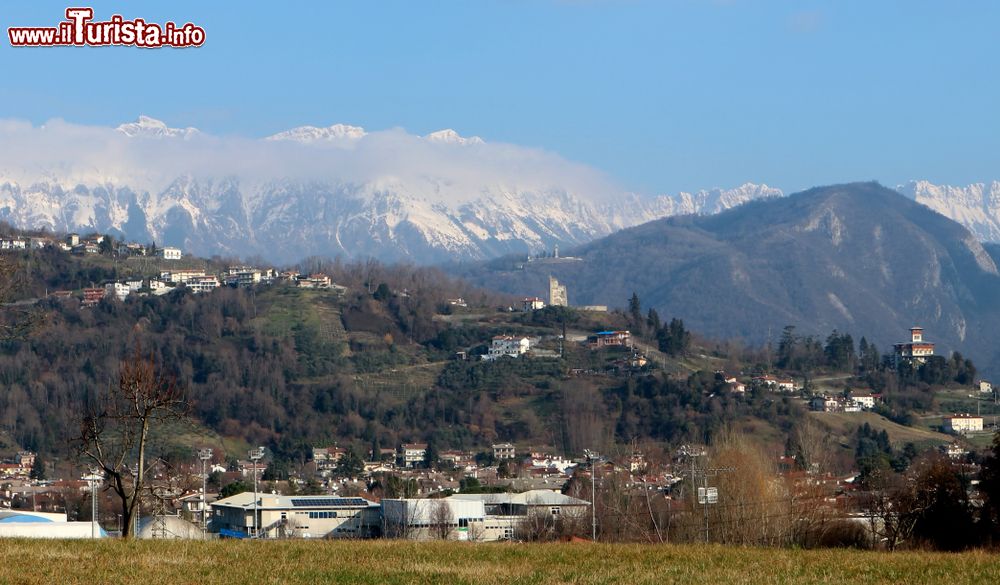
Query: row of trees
x,y
671,338
927,505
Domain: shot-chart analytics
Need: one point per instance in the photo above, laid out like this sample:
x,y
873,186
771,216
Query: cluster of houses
x,y
199,281
19,467
91,244
195,280
515,346
853,401
760,381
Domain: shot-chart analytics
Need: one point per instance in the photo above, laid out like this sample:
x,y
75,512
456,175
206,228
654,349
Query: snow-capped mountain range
x,y
342,190
976,206
437,213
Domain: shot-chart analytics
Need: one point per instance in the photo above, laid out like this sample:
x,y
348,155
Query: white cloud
x,y
451,171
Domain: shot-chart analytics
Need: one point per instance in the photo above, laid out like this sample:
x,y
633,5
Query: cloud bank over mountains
x,y
442,167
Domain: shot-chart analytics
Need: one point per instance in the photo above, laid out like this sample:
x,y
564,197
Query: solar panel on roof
x,y
327,502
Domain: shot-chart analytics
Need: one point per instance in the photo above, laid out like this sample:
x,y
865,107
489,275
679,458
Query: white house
x,y
765,381
170,253
963,424
202,284
532,304
737,387
985,386
863,400
413,454
825,404
116,289
507,345
786,385
180,276
503,451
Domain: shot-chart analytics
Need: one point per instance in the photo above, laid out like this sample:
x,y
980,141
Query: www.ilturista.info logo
x,y
79,30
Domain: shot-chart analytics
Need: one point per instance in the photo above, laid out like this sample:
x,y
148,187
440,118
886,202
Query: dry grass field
x,y
295,562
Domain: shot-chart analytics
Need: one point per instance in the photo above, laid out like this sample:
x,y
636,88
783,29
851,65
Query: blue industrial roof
x,y
12,517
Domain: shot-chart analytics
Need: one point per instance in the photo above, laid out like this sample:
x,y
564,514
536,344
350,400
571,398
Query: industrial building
x,y
295,516
483,517
25,524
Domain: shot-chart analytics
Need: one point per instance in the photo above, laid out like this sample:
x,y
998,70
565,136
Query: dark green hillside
x,y
375,363
290,368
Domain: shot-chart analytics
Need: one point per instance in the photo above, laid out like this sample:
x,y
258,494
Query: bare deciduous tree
x,y
815,445
753,507
888,505
115,433
441,520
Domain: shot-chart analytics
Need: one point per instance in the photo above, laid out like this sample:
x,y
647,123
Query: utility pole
x,y
704,506
205,455
255,455
705,496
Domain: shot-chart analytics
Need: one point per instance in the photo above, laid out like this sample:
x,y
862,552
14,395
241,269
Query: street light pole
x,y
593,457
255,456
205,455
93,480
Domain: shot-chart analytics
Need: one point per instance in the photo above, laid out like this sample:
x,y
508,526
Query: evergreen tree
x,y
277,470
350,464
107,246
37,468
431,455
635,313
786,348
674,339
382,293
653,323
237,487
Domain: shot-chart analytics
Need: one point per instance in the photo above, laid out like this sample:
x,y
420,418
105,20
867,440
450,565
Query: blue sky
x,y
661,95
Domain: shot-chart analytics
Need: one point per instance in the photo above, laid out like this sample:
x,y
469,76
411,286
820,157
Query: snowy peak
x,y
976,206
449,136
147,127
309,134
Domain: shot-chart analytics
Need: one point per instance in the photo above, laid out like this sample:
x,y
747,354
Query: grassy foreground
x,y
229,562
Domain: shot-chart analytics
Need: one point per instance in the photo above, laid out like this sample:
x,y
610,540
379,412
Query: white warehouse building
x,y
429,519
482,517
295,516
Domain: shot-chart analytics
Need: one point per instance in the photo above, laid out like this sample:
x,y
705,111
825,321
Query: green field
x,y
293,562
845,424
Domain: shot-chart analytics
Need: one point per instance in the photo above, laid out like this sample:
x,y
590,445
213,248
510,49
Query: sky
x,y
660,95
